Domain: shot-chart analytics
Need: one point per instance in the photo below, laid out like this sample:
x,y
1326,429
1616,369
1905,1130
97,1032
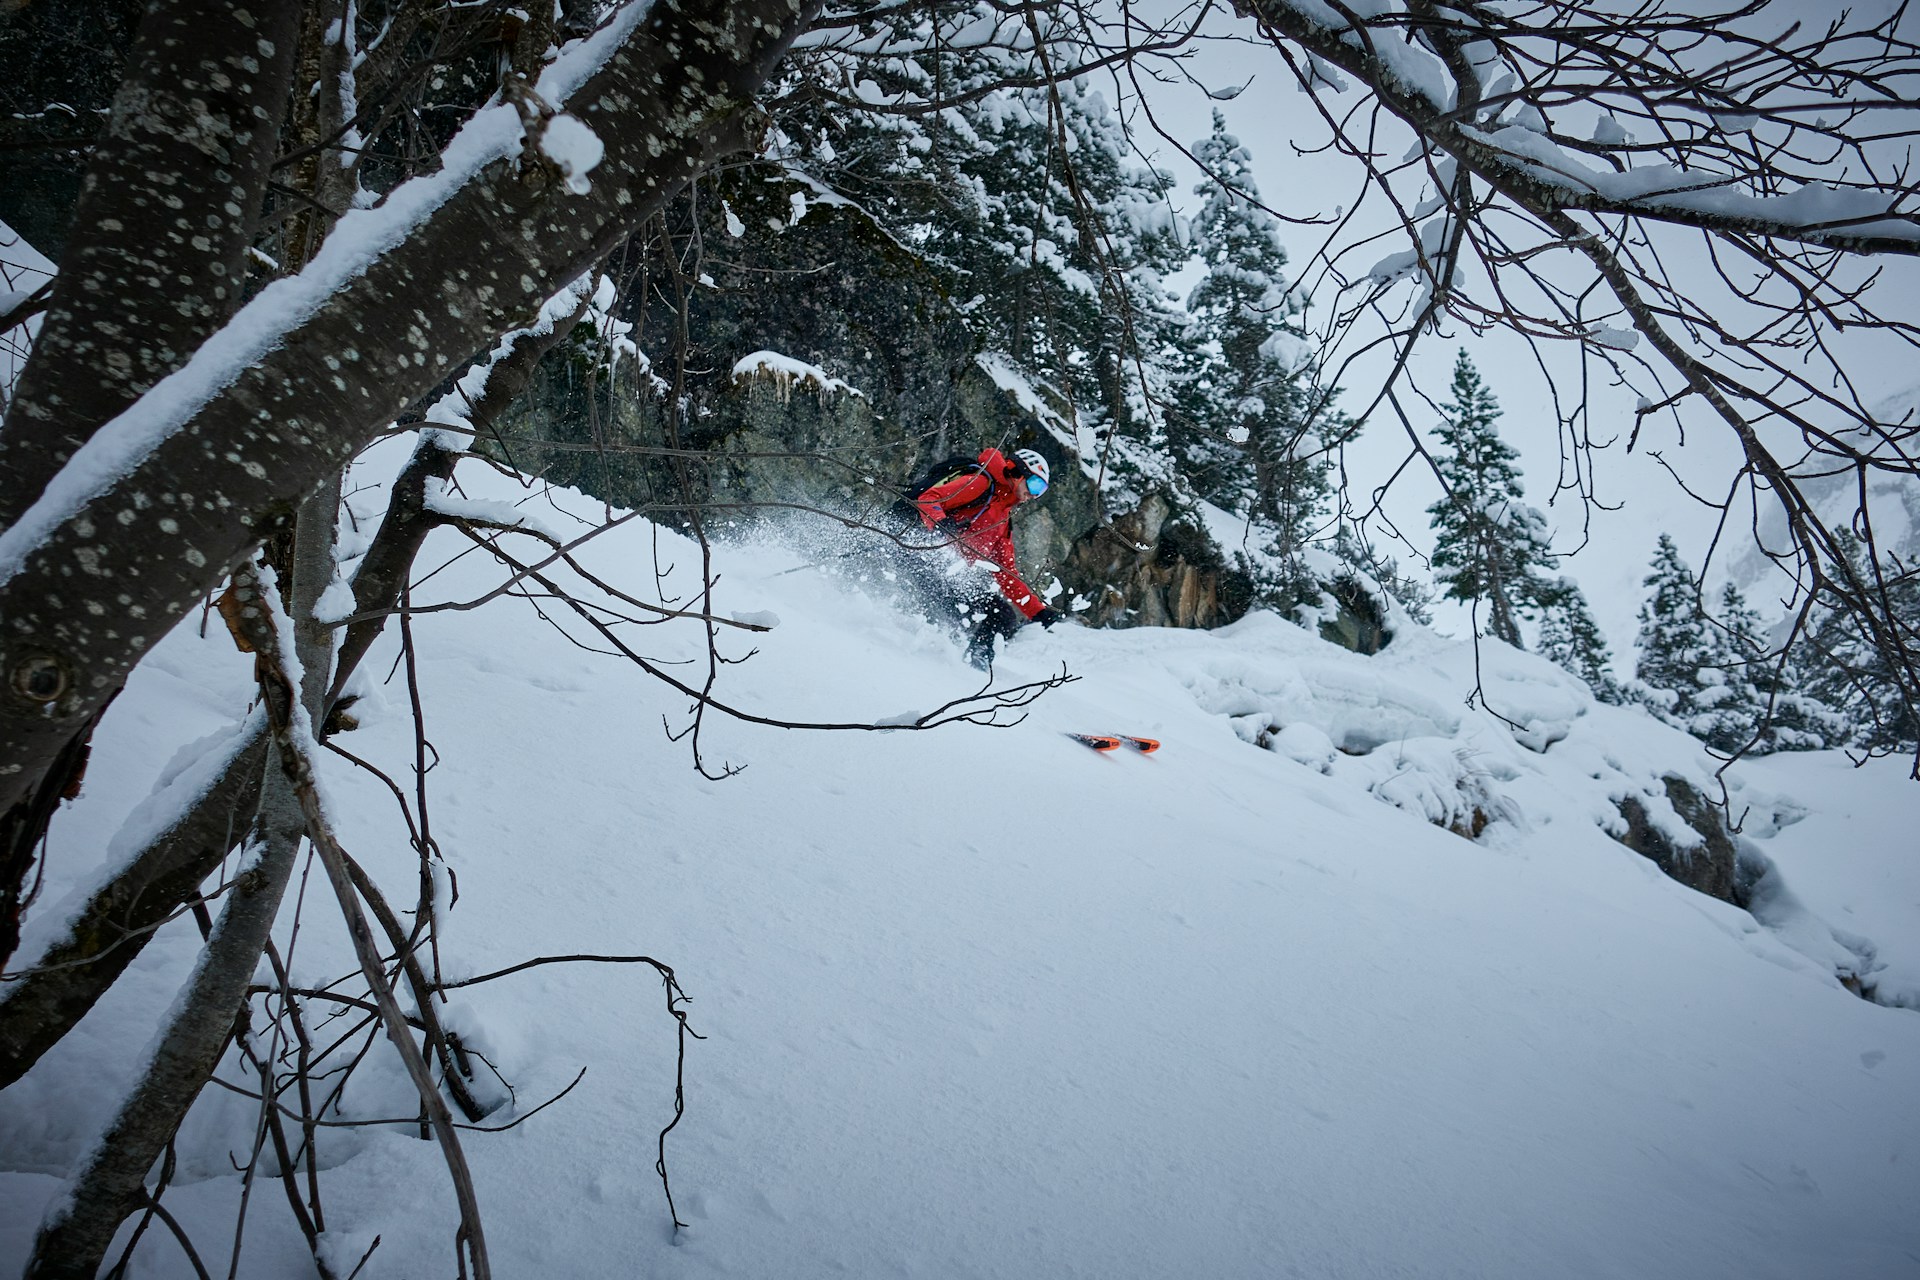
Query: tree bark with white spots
x,y
92,575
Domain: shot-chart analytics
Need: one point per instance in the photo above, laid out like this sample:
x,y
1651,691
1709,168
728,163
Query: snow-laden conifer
x,y
1249,425
1490,548
1716,676
1244,435
1848,673
1048,238
1783,712
1570,637
1673,641
1733,698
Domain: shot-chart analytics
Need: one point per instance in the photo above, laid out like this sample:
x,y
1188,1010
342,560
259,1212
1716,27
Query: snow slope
x,y
981,1002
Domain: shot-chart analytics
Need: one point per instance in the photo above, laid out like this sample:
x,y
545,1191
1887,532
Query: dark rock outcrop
x,y
1707,865
1359,622
1145,569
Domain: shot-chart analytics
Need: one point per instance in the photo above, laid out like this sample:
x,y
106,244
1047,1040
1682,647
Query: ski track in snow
x,y
985,1003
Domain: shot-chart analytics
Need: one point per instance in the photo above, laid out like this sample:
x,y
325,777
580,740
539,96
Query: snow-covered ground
x,y
982,1002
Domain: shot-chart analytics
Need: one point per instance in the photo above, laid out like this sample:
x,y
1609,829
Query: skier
x,y
971,503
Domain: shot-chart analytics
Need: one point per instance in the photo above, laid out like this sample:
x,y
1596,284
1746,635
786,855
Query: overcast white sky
x,y
1275,120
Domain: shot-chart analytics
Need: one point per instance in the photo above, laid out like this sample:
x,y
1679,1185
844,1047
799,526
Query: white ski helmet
x,y
1036,471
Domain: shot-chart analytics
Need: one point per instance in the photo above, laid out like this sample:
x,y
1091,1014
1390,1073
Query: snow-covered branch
x,y
211,459
1699,201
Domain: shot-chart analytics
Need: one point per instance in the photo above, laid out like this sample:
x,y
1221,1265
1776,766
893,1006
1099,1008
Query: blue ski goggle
x,y
1036,485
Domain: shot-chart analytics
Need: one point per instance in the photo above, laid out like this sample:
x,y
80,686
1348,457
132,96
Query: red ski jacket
x,y
981,505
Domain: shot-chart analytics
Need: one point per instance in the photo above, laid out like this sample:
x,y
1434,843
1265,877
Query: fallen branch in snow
x,y
322,993
483,392
212,801
381,1122
153,1209
309,1217
984,705
562,553
364,1259
406,953
675,998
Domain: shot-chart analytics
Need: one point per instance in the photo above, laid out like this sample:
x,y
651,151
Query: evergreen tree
x,y
1732,697
1241,428
1489,546
1779,713
1673,639
1066,269
1247,424
1802,719
1716,678
1051,241
1850,675
1351,547
1741,628
1571,638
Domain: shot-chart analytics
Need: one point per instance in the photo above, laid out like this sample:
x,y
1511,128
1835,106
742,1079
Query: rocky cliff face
x,y
1147,569
777,438
880,380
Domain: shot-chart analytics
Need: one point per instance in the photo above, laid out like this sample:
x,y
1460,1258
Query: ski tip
x,y
1114,741
1098,741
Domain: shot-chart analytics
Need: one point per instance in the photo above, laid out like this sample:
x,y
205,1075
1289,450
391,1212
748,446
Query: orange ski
x,y
1114,741
1098,741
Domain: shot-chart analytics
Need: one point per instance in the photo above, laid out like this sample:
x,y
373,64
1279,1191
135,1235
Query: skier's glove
x,y
1047,616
